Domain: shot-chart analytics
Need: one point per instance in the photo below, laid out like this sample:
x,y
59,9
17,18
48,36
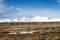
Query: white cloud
x,y
8,11
13,12
5,20
39,19
33,19
2,6
15,20
18,9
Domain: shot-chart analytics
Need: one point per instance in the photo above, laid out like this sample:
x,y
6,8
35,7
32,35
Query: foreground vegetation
x,y
44,31
29,38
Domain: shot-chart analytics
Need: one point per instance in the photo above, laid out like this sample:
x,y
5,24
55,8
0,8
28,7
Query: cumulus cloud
x,y
33,19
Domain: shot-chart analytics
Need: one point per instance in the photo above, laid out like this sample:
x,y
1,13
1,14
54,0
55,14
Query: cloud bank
x,y
33,19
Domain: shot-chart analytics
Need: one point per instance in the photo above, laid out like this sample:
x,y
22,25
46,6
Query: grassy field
x,y
44,31
29,38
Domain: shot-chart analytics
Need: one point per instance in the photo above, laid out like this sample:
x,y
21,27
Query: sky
x,y
29,10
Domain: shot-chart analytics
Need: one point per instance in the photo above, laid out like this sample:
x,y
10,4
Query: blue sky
x,y
32,3
35,5
29,8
